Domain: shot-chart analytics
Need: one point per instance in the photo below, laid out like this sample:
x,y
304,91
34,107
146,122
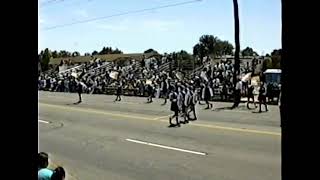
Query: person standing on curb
x,y
58,174
43,172
262,96
237,94
80,86
118,92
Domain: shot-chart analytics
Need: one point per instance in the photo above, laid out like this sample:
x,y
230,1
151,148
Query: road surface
x,y
130,140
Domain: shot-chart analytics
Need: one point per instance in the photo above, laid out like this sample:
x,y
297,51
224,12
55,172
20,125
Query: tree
x,y
87,54
117,51
209,43
64,54
94,53
184,60
224,48
248,52
150,51
276,58
276,52
237,44
74,54
199,50
45,59
109,50
55,54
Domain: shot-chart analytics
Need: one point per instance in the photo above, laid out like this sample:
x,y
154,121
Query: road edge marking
x,y
166,147
42,121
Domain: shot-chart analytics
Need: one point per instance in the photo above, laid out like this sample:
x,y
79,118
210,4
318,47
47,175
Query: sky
x,y
165,30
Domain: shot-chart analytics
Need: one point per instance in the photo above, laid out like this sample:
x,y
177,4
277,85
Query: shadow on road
x,y
70,104
174,126
223,108
259,112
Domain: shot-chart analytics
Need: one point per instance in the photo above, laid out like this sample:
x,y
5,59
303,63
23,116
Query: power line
x,y
121,14
50,2
55,2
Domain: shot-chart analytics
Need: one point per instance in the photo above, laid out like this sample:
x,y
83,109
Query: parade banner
x,y
148,82
114,75
204,76
74,75
246,77
179,75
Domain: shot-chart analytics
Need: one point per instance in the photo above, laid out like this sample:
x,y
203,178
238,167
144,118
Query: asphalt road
x,y
130,140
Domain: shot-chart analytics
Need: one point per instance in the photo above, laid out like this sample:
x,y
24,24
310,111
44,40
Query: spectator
x,y
251,96
58,174
237,94
262,96
43,172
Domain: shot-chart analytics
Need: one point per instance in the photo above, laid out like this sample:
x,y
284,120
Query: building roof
x,y
273,71
104,57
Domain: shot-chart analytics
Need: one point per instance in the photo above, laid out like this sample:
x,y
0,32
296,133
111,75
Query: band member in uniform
x,y
192,101
174,107
181,104
150,93
118,92
80,86
207,95
262,96
251,96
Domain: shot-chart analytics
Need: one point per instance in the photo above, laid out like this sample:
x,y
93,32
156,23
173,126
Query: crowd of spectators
x,y
135,77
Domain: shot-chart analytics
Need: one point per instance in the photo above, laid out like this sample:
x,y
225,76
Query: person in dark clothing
x,y
80,86
237,94
150,93
174,107
200,91
209,72
143,63
58,174
207,96
262,96
164,90
224,93
118,92
251,96
182,104
192,101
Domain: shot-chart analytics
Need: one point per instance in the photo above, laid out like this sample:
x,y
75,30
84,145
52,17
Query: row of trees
x,y
46,54
211,45
273,61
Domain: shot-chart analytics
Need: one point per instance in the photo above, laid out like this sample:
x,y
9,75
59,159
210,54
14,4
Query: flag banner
x,y
148,82
246,77
114,75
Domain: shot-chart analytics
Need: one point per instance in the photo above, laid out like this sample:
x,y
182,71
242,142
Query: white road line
x,y
167,116
166,147
43,121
